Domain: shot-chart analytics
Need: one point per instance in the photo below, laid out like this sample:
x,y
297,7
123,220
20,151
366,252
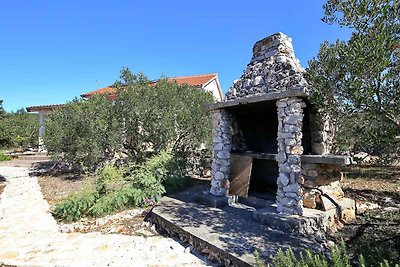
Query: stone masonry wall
x,y
222,142
273,68
322,133
320,178
289,198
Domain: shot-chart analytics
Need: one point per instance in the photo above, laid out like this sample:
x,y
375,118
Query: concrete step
x,y
26,163
222,234
34,157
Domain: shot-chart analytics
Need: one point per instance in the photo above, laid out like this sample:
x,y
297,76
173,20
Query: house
x,y
43,111
207,82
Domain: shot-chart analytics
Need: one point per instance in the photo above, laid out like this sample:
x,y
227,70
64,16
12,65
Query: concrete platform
x,y
228,236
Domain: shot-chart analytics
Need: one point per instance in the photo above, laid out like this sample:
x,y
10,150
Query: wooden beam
x,y
258,98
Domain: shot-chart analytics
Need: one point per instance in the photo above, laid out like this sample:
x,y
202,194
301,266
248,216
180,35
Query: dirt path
x,y
29,235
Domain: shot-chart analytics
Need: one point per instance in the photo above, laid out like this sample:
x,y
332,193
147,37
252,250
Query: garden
x,y
113,157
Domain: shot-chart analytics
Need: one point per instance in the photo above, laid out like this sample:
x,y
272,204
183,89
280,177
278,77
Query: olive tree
x,y
163,116
146,118
18,130
358,81
84,133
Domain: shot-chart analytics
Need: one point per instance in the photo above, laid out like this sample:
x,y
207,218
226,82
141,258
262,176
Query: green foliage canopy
x,y
18,130
144,119
357,82
162,116
84,132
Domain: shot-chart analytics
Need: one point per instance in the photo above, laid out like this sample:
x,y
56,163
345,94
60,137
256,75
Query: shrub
x,y
119,188
163,116
339,258
145,119
4,157
84,133
76,206
18,130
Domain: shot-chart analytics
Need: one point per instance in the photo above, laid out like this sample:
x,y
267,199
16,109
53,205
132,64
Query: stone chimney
x,y
273,68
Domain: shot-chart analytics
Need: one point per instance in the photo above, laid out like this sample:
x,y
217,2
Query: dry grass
x,y
373,183
375,233
379,178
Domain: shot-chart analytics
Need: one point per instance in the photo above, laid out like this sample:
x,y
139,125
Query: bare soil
x,y
135,226
57,187
375,233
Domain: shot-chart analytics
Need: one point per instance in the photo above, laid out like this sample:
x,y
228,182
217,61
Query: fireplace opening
x,y
306,130
254,134
263,179
255,128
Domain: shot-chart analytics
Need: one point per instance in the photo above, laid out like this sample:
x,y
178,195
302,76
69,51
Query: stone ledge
x,y
258,98
312,220
212,201
317,159
326,159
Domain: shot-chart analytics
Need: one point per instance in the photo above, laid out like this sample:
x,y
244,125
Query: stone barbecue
x,y
268,138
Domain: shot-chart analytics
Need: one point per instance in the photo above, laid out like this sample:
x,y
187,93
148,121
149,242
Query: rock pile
x,y
273,68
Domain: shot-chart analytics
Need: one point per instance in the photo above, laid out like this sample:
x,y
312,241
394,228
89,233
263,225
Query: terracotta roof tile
x,y
194,80
106,90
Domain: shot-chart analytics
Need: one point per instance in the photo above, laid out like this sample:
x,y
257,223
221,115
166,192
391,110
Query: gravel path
x,y
29,235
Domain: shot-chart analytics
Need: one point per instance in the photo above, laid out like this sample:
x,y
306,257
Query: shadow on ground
x,y
229,232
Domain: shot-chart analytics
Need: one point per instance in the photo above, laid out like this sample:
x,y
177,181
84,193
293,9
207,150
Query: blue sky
x,y
53,51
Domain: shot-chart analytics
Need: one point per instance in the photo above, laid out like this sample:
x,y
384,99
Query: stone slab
x,y
226,236
211,201
318,159
312,220
256,98
309,223
326,159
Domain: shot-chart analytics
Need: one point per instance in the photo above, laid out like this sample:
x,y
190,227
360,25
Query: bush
x,y
84,133
4,157
163,116
339,258
18,130
145,119
76,206
119,188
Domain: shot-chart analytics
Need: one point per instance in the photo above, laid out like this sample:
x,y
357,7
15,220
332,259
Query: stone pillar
x,y
322,132
222,140
42,128
290,121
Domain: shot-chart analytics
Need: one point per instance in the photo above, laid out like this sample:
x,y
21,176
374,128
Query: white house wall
x,y
213,88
